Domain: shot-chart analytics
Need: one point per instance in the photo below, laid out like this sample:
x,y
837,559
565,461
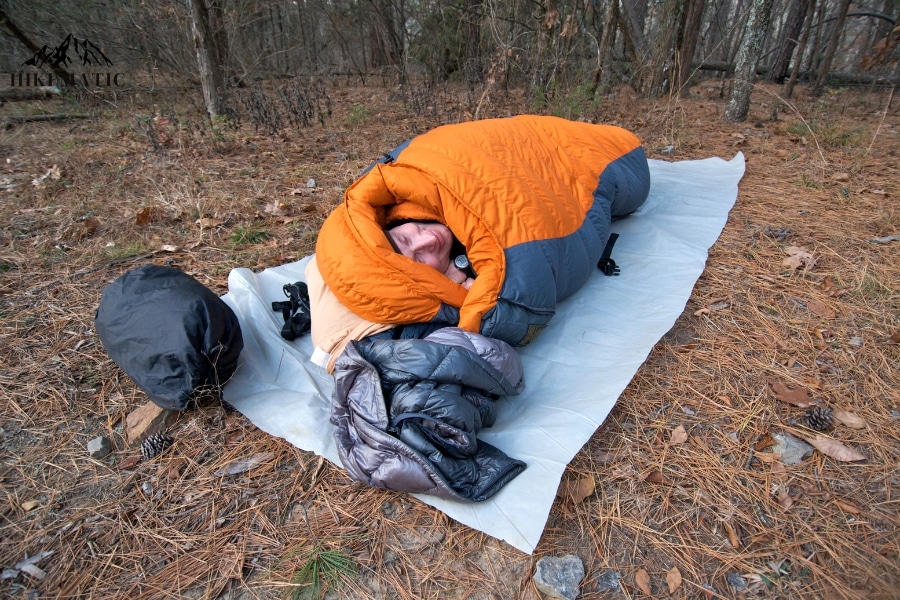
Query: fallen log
x,y
834,78
7,122
28,93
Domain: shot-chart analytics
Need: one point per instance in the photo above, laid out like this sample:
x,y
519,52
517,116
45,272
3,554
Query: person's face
x,y
426,243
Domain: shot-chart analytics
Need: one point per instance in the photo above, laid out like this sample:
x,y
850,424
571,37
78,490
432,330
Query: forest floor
x,y
686,498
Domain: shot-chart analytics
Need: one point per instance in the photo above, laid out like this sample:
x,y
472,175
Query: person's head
x,y
426,242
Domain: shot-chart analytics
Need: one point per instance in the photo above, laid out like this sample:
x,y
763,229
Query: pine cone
x,y
819,418
156,444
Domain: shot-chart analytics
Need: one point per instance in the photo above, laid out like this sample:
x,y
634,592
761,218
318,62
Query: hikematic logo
x,y
58,60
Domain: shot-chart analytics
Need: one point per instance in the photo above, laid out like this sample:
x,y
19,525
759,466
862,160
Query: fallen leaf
x,y
129,462
208,222
679,435
895,338
734,537
279,209
797,396
642,580
764,442
784,498
147,215
813,383
820,309
765,457
847,506
835,449
841,177
798,257
30,505
673,578
34,571
656,476
605,457
849,419
29,564
243,464
622,472
576,490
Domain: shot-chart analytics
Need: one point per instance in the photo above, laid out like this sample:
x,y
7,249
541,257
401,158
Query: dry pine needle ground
x,y
677,495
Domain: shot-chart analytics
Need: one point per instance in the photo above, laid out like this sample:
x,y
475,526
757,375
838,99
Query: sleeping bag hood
x,y
531,199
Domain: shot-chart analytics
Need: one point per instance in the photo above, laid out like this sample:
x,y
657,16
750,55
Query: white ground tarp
x,y
574,372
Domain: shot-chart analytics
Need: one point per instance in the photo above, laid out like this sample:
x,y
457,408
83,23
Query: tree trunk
x,y
606,45
633,28
801,48
473,67
788,40
211,79
26,41
659,67
833,44
687,45
307,28
812,61
747,60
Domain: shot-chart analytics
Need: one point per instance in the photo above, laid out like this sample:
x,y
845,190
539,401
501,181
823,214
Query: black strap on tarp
x,y
606,264
295,310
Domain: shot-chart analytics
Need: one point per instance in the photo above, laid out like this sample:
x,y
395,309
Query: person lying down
x,y
525,205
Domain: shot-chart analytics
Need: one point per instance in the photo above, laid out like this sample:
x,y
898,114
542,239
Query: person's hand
x,y
458,276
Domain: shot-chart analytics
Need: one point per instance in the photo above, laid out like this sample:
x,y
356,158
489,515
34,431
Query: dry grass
x,y
718,507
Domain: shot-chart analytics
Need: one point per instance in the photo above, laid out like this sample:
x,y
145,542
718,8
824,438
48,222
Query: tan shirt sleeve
x,y
333,324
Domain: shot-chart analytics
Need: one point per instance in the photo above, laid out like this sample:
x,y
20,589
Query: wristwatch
x,y
462,263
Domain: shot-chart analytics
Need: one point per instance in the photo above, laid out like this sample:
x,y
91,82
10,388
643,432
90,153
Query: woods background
x,y
563,52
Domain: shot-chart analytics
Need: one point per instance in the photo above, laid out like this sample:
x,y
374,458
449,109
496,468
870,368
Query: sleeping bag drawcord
x,y
606,264
295,310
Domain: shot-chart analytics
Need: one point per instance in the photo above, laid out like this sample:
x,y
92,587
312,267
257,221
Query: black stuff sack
x,y
171,334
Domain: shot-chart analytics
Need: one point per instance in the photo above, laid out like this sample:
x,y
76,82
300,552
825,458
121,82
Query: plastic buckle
x,y
608,267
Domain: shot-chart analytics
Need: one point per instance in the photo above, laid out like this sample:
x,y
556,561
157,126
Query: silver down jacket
x,y
407,413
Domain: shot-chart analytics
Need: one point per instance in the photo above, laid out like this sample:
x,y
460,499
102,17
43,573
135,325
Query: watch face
x,y
461,261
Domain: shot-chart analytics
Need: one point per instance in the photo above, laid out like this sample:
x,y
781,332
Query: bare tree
x,y
801,48
28,43
747,60
833,43
211,79
787,41
686,44
473,17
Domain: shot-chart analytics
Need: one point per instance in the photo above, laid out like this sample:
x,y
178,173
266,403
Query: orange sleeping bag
x,y
531,199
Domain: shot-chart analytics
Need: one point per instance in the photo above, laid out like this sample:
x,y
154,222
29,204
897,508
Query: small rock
x,y
736,581
310,183
608,580
792,450
99,447
147,488
146,420
559,577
